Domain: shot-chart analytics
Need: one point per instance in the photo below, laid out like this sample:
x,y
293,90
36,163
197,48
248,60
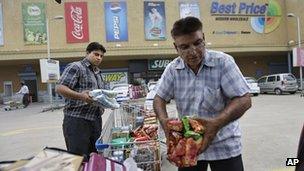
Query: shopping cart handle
x,y
100,146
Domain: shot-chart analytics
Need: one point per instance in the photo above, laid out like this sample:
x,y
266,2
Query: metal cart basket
x,y
14,103
120,123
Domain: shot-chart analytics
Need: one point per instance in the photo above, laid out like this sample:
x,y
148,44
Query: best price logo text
x,y
242,8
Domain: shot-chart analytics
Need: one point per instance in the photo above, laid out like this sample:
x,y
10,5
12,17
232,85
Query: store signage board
x,y
114,78
49,70
298,57
158,64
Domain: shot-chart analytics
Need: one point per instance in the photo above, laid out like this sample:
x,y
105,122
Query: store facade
x,y
137,49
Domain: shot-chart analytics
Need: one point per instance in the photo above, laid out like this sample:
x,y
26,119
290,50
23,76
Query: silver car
x,y
252,83
278,83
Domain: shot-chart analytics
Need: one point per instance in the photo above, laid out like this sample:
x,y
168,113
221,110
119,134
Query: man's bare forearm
x,y
67,92
159,106
234,110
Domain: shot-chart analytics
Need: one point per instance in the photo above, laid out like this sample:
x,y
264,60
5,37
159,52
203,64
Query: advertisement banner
x,y
113,78
1,25
187,9
298,57
76,17
155,20
34,25
116,21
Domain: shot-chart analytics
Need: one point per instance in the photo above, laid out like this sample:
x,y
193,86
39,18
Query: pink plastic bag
x,y
100,163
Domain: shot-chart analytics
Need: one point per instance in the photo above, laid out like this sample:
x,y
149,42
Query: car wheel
x,y
255,94
278,91
293,92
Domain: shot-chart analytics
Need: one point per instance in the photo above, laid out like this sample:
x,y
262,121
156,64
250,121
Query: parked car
x,y
122,92
252,83
299,83
278,83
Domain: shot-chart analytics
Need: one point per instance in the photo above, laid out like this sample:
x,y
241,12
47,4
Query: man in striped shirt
x,y
82,121
207,85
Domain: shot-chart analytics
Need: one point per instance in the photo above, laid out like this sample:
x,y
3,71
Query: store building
x,y
139,46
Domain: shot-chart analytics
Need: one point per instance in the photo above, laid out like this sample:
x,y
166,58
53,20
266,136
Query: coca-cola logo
x,y
76,16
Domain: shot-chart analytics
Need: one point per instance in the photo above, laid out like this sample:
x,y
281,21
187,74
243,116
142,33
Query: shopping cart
x,y
116,141
15,102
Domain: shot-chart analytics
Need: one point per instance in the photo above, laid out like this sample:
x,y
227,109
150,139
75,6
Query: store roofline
x,y
135,51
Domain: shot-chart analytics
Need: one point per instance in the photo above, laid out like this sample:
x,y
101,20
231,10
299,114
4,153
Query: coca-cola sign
x,y
76,22
76,15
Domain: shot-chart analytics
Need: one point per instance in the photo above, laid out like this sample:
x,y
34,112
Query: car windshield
x,y
250,80
288,77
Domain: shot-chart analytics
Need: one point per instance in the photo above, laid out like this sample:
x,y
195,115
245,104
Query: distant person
x,y
25,92
82,121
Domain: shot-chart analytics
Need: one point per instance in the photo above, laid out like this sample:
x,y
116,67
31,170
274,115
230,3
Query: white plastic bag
x,y
104,98
131,165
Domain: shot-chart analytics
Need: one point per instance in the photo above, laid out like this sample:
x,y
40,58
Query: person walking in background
x,y
210,85
82,121
25,92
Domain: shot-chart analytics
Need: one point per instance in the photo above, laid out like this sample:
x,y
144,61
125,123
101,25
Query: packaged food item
x,y
120,133
145,132
197,127
106,102
175,125
104,98
185,141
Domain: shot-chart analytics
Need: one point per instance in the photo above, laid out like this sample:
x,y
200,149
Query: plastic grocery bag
x,y
104,98
100,163
53,159
131,165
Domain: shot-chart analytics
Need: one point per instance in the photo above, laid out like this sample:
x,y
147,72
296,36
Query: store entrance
x,y
32,86
30,80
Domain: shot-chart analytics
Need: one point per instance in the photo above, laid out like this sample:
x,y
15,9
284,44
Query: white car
x,y
254,88
122,92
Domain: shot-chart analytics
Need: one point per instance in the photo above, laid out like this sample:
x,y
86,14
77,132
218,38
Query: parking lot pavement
x,y
270,129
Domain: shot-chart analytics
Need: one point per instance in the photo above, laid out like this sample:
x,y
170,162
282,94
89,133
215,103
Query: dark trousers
x,y
25,100
80,135
231,164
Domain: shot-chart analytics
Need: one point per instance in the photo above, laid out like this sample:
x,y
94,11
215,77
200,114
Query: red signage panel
x,y
76,17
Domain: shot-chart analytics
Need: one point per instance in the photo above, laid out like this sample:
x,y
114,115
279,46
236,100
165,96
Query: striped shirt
x,y
80,76
218,80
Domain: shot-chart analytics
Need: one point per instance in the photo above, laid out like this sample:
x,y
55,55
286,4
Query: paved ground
x,y
271,130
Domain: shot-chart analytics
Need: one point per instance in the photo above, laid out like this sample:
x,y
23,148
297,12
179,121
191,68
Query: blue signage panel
x,y
116,21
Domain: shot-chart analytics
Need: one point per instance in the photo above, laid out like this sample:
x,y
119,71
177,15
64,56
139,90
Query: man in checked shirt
x,y
207,84
82,121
